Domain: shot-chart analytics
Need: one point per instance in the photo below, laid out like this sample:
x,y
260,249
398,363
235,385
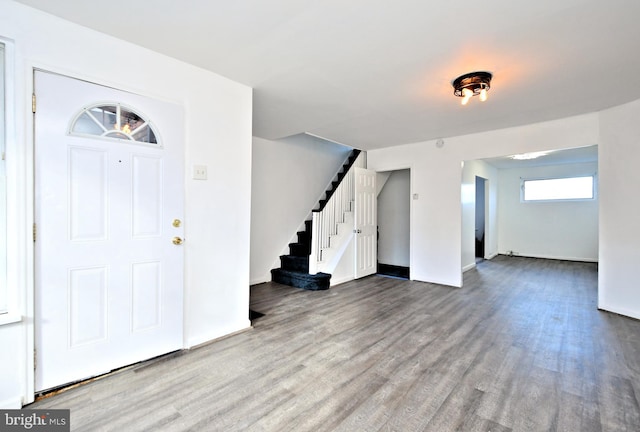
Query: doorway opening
x,y
394,209
481,206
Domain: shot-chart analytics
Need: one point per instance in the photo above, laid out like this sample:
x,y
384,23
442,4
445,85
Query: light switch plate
x,y
199,172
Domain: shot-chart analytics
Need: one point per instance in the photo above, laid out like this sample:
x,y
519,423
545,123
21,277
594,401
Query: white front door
x,y
366,223
109,279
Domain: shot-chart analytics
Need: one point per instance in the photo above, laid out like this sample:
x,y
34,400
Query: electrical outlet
x,y
199,172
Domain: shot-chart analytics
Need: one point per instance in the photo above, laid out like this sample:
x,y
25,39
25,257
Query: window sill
x,y
9,318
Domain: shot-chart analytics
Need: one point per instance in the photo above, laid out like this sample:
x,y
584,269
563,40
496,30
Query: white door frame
x,y
411,199
414,197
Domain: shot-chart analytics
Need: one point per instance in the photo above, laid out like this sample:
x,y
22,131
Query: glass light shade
x,y
467,93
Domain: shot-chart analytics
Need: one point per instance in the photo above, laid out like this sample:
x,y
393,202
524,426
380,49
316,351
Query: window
x,y
3,192
113,121
3,189
9,298
555,189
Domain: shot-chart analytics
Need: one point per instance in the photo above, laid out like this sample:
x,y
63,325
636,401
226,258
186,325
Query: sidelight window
x,y
3,189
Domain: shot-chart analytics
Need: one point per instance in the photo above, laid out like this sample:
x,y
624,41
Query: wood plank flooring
x,y
522,347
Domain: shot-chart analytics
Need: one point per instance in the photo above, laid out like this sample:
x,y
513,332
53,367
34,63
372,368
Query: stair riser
x,y
295,263
304,237
300,250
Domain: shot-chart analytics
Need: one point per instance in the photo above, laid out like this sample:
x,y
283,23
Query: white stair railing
x,y
325,221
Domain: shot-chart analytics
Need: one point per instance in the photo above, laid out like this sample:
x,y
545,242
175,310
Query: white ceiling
x,y
376,73
553,157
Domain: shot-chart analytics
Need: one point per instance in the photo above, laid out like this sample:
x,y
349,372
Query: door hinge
x,y
35,358
33,103
35,232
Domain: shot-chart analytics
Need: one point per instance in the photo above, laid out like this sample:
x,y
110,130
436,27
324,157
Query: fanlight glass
x,y
113,121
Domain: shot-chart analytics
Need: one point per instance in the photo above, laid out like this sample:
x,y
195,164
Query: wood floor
x,y
521,347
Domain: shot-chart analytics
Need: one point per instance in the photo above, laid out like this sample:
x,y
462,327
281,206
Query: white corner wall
x,y
470,170
619,183
217,211
436,231
289,177
565,230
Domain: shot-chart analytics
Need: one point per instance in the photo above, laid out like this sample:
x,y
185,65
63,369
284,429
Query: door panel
x,y
146,286
147,196
88,186
109,280
87,305
366,222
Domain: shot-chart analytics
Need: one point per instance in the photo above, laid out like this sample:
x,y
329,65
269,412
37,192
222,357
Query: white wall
x,y
394,218
217,211
289,177
552,229
436,231
619,186
471,170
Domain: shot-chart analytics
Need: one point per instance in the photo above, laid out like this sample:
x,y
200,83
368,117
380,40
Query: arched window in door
x,y
115,121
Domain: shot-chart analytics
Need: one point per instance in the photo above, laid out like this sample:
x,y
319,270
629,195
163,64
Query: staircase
x,y
294,267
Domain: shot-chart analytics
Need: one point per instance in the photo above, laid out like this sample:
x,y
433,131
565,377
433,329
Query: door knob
x,y
177,241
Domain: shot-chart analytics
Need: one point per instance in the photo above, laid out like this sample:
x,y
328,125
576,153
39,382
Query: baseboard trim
x,y
468,267
619,311
13,403
551,257
492,256
342,280
446,283
393,270
218,334
257,281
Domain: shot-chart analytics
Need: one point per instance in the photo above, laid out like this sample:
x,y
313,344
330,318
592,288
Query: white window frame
x,y
553,200
106,133
10,311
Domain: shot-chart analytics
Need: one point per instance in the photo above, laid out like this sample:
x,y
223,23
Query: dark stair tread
x,y
319,281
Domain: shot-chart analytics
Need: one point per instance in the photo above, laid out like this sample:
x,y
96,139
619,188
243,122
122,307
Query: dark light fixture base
x,y
474,81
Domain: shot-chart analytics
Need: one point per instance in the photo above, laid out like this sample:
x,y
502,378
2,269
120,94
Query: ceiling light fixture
x,y
472,84
529,156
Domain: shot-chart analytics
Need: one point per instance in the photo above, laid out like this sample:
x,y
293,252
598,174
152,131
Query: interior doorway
x,y
481,206
394,221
